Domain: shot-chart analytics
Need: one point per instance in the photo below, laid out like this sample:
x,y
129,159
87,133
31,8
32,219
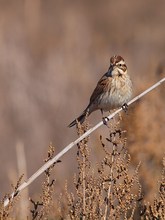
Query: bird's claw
x,y
105,120
125,107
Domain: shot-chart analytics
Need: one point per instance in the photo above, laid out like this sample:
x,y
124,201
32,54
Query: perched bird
x,y
113,90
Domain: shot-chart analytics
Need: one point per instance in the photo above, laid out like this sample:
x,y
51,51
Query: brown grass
x,y
109,189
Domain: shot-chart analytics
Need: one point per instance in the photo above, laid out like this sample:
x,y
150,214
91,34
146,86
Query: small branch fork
x,y
67,148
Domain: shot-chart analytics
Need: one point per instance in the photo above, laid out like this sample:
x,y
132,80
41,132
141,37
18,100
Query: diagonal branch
x,y
67,148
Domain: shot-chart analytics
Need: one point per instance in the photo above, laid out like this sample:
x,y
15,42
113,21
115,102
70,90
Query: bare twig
x,y
67,148
22,169
84,186
110,182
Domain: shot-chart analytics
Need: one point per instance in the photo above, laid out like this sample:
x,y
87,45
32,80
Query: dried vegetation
x,y
109,189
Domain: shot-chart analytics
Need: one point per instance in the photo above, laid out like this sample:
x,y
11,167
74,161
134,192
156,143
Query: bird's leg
x,y
105,119
125,107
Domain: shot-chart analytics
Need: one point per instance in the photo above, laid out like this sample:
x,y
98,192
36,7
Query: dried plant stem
x,y
67,148
84,185
110,183
22,169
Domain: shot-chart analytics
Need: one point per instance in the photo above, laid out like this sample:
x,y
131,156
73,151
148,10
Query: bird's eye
x,y
120,64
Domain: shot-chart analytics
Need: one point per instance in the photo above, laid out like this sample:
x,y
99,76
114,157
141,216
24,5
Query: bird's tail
x,y
80,119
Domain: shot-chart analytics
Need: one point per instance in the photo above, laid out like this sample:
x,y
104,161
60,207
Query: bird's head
x,y
117,66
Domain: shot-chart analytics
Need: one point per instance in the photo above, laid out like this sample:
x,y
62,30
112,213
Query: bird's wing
x,y
101,87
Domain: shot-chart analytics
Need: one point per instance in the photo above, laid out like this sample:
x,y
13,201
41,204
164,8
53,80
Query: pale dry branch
x,y
67,148
110,182
22,169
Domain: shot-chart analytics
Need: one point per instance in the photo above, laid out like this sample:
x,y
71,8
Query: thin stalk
x,y
70,146
110,183
84,185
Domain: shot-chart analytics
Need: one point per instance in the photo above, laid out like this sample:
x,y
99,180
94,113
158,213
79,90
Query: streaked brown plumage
x,y
113,90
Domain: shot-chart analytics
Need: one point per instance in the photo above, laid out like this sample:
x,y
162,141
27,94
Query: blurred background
x,y
52,53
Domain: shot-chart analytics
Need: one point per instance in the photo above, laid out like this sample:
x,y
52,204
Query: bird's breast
x,y
117,93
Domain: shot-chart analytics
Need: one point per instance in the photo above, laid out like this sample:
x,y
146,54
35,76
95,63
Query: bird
x,y
113,90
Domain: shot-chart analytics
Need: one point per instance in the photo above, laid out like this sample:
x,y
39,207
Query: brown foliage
x,y
106,190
